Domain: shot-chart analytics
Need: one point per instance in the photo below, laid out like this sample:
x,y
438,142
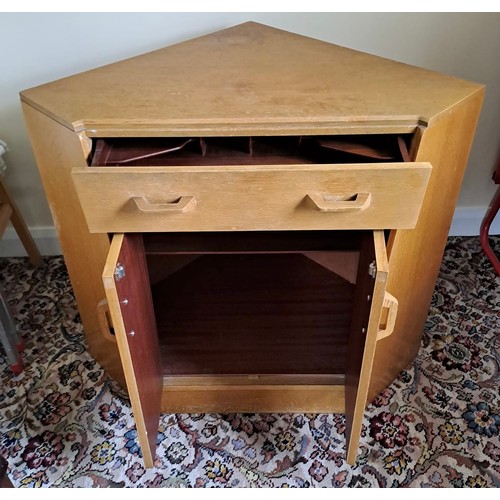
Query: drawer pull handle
x,y
104,320
183,204
391,304
338,203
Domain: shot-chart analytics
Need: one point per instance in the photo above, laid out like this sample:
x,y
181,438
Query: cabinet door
x,y
372,304
128,292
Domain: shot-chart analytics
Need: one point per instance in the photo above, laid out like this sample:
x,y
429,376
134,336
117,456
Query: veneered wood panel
x,y
131,309
366,312
257,379
249,79
193,243
239,198
57,151
253,399
345,264
253,314
269,150
416,255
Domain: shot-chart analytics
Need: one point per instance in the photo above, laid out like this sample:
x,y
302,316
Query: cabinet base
x,y
254,399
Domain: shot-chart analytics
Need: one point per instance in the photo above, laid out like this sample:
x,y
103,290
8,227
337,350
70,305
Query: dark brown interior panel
x,y
362,302
134,295
251,242
253,303
253,314
191,151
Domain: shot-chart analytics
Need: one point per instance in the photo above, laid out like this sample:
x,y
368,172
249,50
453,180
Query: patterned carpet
x,y
63,423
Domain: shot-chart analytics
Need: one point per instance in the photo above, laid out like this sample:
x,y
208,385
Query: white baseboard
x,y
466,222
45,239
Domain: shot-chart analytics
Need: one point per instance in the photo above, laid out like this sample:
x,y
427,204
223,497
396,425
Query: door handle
x,y
104,320
391,304
338,203
183,204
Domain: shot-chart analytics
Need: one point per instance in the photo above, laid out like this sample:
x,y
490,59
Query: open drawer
x,y
247,322
279,185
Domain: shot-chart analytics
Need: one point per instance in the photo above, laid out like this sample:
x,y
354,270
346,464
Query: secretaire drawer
x,y
252,197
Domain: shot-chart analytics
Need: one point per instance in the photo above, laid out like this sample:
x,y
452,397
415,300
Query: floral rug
x,y
64,423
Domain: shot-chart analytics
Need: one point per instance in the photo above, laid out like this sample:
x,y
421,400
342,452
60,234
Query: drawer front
x,y
246,198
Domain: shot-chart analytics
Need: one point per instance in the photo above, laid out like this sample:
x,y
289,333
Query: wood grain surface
x,y
239,198
58,151
367,307
131,309
249,79
416,255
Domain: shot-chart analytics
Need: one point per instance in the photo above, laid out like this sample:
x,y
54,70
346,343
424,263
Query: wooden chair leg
x,y
20,227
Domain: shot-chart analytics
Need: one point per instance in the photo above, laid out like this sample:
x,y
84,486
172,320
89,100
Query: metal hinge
x,y
372,269
119,272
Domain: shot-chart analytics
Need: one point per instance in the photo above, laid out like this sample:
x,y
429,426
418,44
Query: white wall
x,y
40,47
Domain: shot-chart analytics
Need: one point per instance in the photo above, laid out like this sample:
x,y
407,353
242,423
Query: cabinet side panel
x,y
416,255
58,150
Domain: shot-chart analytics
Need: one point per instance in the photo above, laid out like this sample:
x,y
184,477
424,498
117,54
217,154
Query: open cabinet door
x,y
128,292
370,302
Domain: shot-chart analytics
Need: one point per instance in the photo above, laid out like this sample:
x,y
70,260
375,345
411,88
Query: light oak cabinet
x,y
253,221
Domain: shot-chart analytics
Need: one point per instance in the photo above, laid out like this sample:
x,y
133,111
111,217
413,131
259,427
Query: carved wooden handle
x,y
338,203
183,204
390,303
104,318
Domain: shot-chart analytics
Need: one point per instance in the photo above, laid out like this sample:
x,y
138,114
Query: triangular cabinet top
x,y
249,79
